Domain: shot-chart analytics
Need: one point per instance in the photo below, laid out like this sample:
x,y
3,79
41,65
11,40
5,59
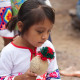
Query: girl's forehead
x,y
45,22
43,26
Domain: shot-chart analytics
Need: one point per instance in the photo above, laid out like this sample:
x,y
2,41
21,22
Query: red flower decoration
x,y
50,50
44,58
46,53
54,74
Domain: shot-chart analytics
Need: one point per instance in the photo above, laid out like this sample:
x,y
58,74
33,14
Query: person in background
x,y
5,16
35,20
78,9
75,16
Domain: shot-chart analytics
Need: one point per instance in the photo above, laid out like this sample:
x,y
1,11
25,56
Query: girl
x,y
5,16
35,20
15,8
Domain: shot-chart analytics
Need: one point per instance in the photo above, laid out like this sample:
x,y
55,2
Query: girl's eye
x,y
40,32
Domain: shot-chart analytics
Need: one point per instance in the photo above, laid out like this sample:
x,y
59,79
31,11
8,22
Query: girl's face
x,y
38,33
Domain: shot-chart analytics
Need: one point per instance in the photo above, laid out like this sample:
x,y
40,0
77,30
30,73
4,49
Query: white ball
x,y
38,66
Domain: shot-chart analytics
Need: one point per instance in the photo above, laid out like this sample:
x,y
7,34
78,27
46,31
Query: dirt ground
x,y
65,38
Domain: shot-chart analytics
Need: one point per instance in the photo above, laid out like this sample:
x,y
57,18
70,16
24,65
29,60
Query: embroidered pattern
x,y
7,78
16,5
43,77
5,16
2,78
54,75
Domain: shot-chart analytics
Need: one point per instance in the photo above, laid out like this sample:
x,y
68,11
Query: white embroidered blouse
x,y
15,60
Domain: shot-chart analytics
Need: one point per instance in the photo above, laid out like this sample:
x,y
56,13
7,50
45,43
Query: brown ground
x,y
66,40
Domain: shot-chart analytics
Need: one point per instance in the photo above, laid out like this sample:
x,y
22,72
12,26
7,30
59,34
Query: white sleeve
x,y
53,72
48,3
5,65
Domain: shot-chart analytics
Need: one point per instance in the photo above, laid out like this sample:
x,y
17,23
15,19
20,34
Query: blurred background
x,y
65,37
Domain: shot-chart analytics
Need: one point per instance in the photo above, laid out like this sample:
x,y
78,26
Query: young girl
x,y
35,20
16,4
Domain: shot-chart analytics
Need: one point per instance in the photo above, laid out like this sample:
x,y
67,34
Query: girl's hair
x,y
30,13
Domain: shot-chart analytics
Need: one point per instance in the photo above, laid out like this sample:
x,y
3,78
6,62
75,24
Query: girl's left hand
x,y
26,76
29,73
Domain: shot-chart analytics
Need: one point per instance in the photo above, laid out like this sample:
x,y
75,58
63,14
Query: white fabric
x,y
4,0
5,3
16,60
48,3
6,33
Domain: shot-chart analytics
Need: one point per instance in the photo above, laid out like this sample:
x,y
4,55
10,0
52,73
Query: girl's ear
x,y
20,25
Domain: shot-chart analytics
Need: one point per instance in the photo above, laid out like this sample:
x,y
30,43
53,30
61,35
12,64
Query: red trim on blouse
x,y
8,37
32,52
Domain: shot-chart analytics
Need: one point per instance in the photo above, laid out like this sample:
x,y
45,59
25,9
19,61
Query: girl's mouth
x,y
40,42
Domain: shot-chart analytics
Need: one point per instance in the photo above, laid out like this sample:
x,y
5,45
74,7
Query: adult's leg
x,y
71,71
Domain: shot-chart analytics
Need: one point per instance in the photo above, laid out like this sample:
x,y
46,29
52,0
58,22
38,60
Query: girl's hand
x,y
26,76
29,73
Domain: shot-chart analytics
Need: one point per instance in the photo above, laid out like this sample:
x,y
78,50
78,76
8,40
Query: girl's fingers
x,y
29,73
32,74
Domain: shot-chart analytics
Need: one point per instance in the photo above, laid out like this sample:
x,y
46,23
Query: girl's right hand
x,y
26,76
30,75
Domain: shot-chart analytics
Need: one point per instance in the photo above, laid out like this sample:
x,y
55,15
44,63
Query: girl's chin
x,y
39,45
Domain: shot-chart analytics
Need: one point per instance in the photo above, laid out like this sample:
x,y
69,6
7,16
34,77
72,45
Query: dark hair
x,y
32,12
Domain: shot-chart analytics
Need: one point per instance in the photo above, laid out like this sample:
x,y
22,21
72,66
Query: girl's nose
x,y
45,36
